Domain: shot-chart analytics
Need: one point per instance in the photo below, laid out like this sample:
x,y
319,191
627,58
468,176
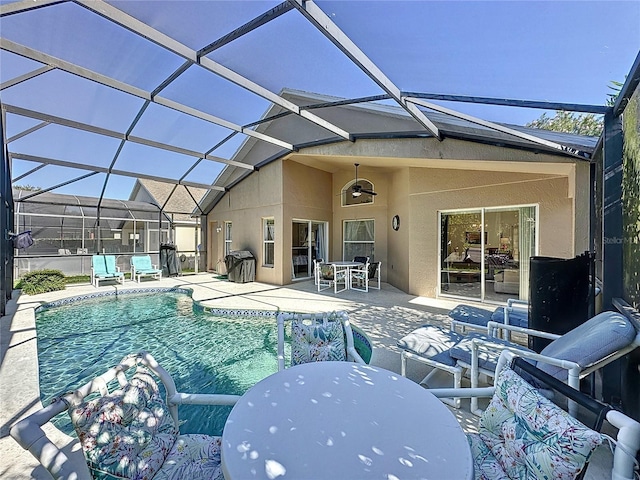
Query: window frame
x,y
345,241
267,243
228,237
363,199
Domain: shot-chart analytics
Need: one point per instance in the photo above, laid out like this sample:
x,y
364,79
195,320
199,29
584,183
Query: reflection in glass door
x,y
481,252
308,243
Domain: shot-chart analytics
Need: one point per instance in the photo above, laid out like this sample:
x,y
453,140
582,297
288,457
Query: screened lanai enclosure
x,y
97,95
67,229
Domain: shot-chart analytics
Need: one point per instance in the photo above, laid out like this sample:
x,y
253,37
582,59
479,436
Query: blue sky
x,y
560,51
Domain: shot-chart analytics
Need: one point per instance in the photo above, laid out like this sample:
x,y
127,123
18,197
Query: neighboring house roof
x,y
113,213
376,120
177,201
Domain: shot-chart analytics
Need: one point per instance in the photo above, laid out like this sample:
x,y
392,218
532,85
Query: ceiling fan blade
x,y
370,192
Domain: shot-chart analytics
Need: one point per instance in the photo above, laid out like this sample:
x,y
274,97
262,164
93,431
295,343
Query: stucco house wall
x,y
287,190
415,178
258,196
377,211
396,267
434,190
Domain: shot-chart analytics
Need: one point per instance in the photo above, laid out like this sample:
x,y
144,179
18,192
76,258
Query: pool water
x,y
204,353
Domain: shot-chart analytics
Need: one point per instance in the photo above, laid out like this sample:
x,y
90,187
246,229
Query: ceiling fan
x,y
356,189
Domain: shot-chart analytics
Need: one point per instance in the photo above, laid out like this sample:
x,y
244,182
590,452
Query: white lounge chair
x,y
141,266
525,434
129,432
103,267
569,357
317,337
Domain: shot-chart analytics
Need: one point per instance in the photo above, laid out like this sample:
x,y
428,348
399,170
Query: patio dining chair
x,y
103,267
569,357
317,337
128,431
526,432
331,275
316,267
374,275
359,278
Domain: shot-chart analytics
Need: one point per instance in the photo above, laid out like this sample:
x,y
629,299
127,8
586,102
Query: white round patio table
x,y
341,420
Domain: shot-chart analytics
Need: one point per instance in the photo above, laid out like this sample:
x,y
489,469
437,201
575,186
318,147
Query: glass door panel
x,y
308,243
502,274
299,249
461,254
484,253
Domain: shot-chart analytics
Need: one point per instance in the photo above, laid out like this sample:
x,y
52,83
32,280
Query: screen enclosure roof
x,y
96,94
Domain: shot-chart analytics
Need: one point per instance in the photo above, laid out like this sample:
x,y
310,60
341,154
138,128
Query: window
x,y
227,238
268,232
359,239
352,197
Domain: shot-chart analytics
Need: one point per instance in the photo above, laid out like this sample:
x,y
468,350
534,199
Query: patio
x,y
255,113
385,316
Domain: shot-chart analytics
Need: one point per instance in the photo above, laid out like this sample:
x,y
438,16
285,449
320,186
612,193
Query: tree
x,y
580,124
617,88
570,122
28,188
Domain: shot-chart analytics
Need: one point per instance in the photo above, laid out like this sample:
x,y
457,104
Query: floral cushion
x,y
317,342
128,433
530,436
485,465
193,457
326,272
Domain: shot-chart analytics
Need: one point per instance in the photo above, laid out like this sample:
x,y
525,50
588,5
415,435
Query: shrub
x,y
41,281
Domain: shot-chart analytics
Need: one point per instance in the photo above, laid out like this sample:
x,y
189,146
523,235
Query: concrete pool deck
x,y
386,315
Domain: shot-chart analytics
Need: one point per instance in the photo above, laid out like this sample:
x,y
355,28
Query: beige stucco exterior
x,y
414,179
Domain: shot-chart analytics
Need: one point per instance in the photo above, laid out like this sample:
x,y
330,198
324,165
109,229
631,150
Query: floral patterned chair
x,y
523,434
317,337
329,275
130,432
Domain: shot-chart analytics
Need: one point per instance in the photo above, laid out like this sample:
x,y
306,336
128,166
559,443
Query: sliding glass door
x,y
308,243
484,252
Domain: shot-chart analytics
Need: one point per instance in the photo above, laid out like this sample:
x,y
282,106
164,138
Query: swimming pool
x,y
204,353
205,350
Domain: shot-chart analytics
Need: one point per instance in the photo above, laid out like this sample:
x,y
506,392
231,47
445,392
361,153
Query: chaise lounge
x,y
103,267
141,266
569,357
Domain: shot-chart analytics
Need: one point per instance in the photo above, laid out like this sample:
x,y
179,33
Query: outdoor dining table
x,y
334,420
348,266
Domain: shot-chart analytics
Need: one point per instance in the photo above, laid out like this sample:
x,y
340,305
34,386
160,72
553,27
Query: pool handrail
x,y
29,434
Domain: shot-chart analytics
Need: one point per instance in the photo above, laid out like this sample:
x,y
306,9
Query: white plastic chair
x,y
331,275
359,278
319,319
374,275
627,442
29,434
